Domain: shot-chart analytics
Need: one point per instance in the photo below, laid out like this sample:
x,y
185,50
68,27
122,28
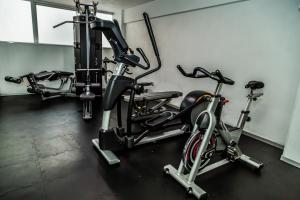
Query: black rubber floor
x,y
46,153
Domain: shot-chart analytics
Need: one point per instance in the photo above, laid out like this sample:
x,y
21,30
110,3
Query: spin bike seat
x,y
253,85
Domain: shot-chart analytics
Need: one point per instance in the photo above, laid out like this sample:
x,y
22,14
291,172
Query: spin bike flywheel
x,y
191,148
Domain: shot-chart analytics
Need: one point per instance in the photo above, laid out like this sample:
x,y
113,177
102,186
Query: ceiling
x,y
122,4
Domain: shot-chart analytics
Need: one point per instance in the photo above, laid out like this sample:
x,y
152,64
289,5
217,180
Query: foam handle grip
x,y
151,34
12,79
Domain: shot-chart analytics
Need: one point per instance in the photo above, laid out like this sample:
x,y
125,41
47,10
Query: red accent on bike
x,y
225,101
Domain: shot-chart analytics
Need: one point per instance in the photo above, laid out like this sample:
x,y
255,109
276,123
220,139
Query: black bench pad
x,y
151,96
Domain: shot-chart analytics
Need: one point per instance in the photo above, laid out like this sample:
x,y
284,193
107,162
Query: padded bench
x,y
152,96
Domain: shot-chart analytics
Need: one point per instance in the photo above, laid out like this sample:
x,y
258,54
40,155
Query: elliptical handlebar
x,y
151,34
141,52
216,75
154,46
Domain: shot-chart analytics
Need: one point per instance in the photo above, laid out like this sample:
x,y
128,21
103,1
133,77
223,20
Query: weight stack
x,y
80,54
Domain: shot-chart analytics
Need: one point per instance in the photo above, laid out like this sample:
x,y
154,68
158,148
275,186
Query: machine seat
x,y
151,96
253,85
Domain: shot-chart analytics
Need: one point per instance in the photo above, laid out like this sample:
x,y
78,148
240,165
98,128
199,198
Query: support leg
x,y
109,156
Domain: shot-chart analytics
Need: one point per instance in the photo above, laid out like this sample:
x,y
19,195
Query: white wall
x,y
18,58
256,39
291,153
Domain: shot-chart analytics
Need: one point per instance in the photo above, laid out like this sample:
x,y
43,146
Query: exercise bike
x,y
124,137
36,83
210,135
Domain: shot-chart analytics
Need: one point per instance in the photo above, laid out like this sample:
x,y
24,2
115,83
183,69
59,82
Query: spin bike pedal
x,y
231,153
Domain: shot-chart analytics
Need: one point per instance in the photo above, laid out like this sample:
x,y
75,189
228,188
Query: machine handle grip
x,y
13,79
62,23
222,78
151,34
127,71
134,63
95,4
220,75
194,74
184,73
144,57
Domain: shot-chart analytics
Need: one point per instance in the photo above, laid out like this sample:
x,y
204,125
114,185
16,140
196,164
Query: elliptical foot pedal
x,y
108,155
160,119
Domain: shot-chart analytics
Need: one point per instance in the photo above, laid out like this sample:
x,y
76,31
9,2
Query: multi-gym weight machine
x,y
88,56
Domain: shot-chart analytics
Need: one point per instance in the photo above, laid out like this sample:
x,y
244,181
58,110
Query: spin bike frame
x,y
237,131
233,151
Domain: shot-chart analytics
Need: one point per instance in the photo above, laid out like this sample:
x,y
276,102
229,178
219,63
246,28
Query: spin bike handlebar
x,y
216,75
193,74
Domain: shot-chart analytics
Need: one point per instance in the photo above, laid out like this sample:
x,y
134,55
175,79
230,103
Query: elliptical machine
x,y
147,104
119,138
210,134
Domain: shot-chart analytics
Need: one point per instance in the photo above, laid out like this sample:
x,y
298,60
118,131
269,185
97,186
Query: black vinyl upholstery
x,y
253,85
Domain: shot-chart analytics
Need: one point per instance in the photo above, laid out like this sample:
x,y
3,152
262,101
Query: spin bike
x,y
111,139
210,134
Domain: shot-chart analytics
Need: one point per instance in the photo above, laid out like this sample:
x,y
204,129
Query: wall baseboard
x,y
289,161
264,140
14,94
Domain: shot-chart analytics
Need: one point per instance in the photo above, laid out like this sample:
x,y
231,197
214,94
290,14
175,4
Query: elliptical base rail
x,y
112,159
109,156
